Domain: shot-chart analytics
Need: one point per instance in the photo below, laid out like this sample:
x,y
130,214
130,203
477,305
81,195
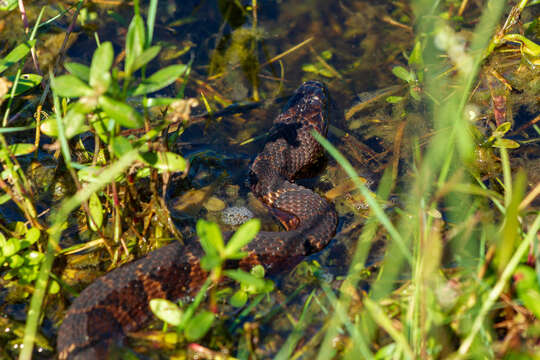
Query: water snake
x,y
117,303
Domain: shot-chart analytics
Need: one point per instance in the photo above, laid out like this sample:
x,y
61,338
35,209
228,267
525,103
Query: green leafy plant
x,y
101,95
527,288
413,76
252,283
321,67
496,139
194,323
17,255
99,98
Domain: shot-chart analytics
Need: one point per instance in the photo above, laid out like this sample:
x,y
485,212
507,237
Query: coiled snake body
x,y
117,303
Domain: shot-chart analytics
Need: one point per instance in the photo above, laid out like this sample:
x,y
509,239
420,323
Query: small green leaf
x,y
245,233
70,86
20,228
79,70
416,57
394,99
502,129
4,198
15,261
16,55
26,82
54,287
403,73
99,124
95,219
49,127
210,237
74,121
135,41
239,298
21,149
143,173
160,79
310,68
100,76
506,144
165,161
527,288
326,54
32,235
121,145
199,325
33,257
122,113
146,56
237,255
317,69
11,247
257,271
166,311
246,279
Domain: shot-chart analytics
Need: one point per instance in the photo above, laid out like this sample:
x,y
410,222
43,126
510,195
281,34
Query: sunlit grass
x,y
439,181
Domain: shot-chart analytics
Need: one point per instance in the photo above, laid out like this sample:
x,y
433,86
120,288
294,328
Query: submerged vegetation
x,y
125,127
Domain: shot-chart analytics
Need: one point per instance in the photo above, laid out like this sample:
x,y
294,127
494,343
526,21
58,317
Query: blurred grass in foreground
x,y
431,316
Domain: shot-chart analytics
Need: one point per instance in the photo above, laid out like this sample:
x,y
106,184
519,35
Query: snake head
x,y
308,106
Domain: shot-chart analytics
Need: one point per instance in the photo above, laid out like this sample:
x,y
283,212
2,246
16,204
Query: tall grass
x,y
438,187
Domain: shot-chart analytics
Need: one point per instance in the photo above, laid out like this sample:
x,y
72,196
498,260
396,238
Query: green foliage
x,y
409,77
413,77
17,254
527,288
496,139
318,68
194,323
199,325
94,84
8,5
16,55
166,311
95,212
26,83
90,98
212,242
252,283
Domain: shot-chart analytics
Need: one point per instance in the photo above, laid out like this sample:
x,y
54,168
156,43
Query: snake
x,y
114,305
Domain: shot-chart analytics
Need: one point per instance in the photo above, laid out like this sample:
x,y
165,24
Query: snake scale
x,y
117,303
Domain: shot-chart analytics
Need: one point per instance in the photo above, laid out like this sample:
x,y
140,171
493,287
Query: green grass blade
x,y
498,288
151,21
373,204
